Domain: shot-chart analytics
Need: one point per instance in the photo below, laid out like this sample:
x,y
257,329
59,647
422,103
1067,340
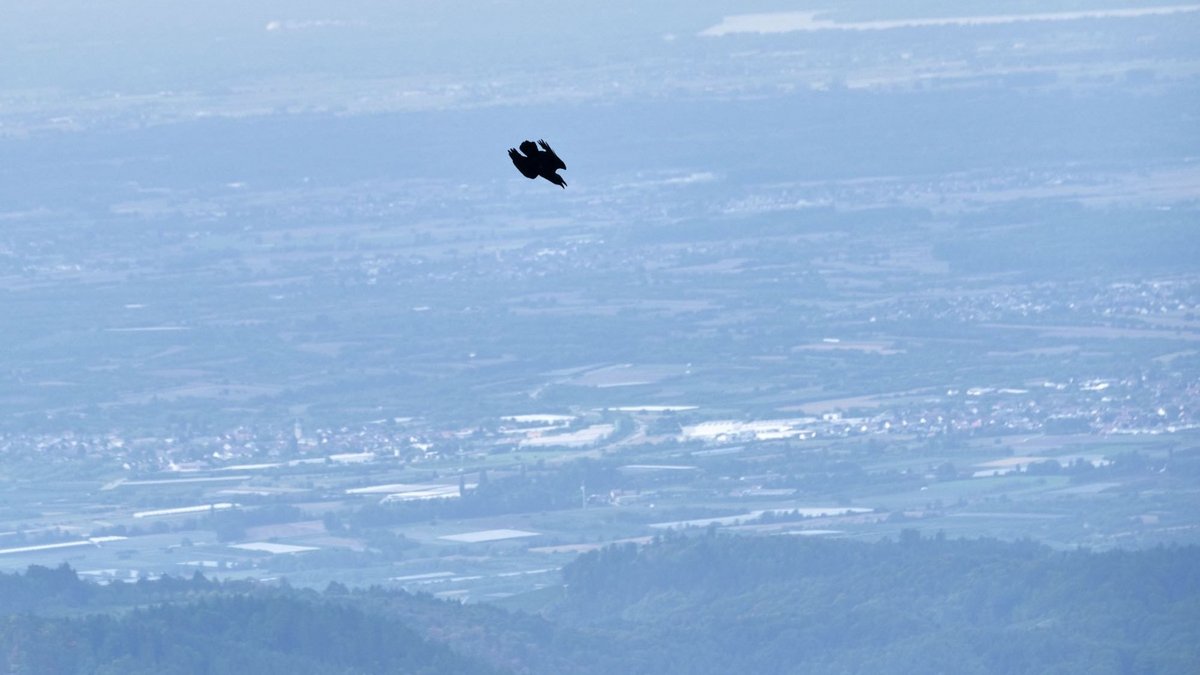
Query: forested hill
x,y
201,627
702,604
785,605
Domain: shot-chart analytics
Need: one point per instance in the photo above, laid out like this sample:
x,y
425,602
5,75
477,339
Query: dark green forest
x,y
683,604
200,627
783,605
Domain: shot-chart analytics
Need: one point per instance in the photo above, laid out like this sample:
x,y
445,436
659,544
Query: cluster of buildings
x,y
1147,404
1124,304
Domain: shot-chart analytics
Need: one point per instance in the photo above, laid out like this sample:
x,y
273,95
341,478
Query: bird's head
x,y
557,180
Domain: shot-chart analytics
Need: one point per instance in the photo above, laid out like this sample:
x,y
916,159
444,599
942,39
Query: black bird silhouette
x,y
536,162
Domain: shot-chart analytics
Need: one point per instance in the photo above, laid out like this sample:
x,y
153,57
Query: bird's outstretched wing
x,y
554,159
527,166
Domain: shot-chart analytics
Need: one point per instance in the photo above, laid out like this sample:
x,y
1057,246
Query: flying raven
x,y
536,162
